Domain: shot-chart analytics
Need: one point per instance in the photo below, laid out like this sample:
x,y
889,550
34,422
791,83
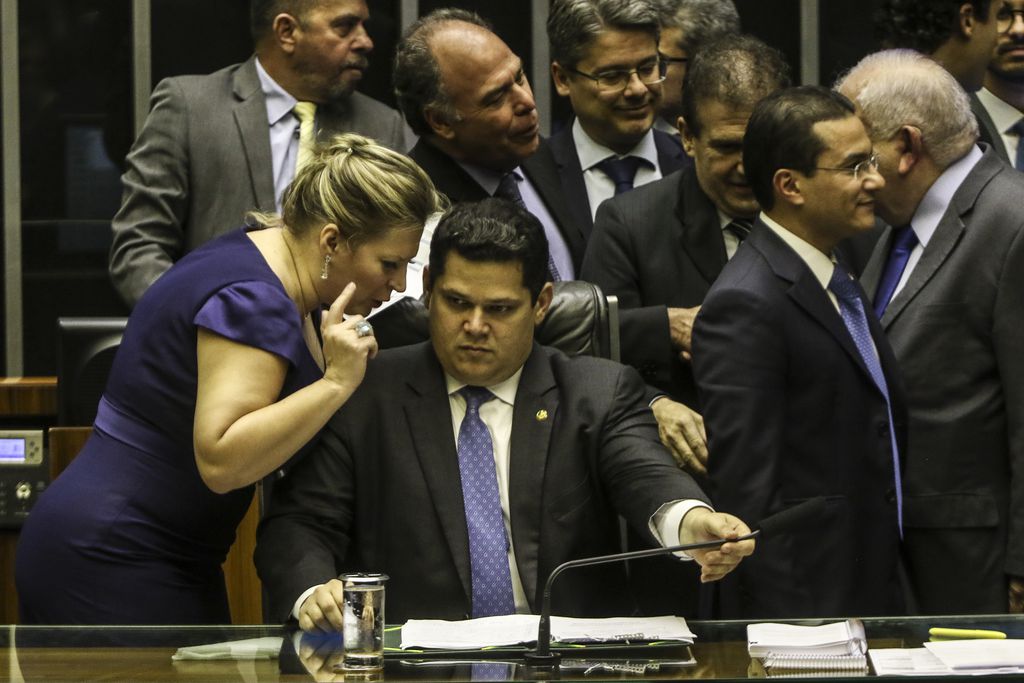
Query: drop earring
x,y
323,270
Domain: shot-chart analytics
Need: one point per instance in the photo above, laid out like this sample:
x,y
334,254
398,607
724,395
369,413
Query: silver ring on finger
x,y
363,329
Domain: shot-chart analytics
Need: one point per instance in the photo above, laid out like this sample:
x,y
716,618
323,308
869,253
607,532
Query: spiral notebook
x,y
839,647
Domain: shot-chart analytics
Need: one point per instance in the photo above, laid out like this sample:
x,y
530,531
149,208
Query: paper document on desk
x,y
839,638
980,655
250,648
515,629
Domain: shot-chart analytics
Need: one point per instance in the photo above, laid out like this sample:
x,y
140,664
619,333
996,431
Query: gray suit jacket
x,y
202,161
957,328
381,492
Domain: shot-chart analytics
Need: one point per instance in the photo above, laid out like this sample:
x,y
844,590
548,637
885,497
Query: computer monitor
x,y
85,354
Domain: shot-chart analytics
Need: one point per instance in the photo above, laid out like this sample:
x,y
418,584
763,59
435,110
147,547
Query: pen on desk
x,y
965,633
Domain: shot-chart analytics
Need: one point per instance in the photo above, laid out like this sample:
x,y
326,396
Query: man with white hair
x,y
947,281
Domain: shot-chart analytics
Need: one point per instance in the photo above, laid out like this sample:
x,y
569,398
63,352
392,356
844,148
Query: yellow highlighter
x,y
964,634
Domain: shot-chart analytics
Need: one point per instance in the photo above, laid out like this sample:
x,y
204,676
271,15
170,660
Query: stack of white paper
x,y
837,646
514,629
981,655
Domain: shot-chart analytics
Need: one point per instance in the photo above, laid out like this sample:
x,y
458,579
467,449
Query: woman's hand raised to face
x,y
345,352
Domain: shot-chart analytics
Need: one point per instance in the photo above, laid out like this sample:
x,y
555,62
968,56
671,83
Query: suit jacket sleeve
x,y
739,363
148,230
303,539
1008,335
611,263
640,473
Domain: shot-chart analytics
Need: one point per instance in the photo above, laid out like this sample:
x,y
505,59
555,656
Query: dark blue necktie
x,y
851,307
488,544
1018,129
903,242
508,188
621,171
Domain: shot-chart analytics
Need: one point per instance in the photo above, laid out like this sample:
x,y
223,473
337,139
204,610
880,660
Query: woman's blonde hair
x,y
360,186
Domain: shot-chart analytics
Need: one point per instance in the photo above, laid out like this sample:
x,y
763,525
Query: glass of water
x,y
363,622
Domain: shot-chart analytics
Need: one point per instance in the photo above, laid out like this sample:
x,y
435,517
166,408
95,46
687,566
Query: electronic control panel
x,y
24,474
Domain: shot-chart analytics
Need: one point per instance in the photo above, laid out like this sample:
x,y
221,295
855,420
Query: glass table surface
x,y
127,653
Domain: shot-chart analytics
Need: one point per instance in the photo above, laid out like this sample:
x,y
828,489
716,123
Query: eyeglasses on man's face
x,y
1006,16
858,171
615,80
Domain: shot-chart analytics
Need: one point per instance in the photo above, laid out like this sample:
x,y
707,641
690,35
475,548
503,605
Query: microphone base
x,y
536,660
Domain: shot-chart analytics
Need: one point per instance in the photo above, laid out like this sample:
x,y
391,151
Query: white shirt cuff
x,y
305,594
664,523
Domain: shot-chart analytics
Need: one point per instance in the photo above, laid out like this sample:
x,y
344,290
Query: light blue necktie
x,y
488,544
851,307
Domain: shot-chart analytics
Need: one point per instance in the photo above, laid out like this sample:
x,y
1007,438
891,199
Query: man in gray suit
x,y
217,146
948,284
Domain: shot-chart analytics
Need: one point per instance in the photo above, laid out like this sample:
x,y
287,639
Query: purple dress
x,y
129,533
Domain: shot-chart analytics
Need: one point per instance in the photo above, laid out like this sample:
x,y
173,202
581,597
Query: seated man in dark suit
x,y
464,92
468,467
660,247
797,381
605,60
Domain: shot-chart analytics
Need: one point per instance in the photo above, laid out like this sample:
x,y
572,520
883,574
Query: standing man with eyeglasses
x,y
605,60
798,384
1000,104
947,282
686,25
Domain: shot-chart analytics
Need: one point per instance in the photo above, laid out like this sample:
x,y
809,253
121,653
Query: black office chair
x,y
85,354
581,321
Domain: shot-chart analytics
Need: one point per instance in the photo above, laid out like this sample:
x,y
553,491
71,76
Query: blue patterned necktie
x,y
488,544
903,242
508,189
851,307
621,171
1018,129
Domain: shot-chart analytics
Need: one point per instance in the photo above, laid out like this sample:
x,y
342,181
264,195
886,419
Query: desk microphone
x,y
787,520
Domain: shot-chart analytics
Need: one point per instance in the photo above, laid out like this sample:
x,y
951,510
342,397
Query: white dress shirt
x,y
284,132
590,152
933,207
1004,115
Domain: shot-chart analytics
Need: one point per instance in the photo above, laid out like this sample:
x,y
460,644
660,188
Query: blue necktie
x,y
488,545
621,171
1018,129
508,188
903,242
851,307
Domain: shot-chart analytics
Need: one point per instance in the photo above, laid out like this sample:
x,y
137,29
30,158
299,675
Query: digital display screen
x,y
12,450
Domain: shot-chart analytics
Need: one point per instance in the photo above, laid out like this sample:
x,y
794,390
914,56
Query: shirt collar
x,y
591,153
1003,113
487,178
279,102
505,391
936,200
820,264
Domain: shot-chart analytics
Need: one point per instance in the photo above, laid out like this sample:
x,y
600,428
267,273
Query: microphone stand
x,y
542,656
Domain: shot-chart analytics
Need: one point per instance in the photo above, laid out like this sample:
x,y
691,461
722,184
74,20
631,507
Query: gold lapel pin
x,y
542,415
